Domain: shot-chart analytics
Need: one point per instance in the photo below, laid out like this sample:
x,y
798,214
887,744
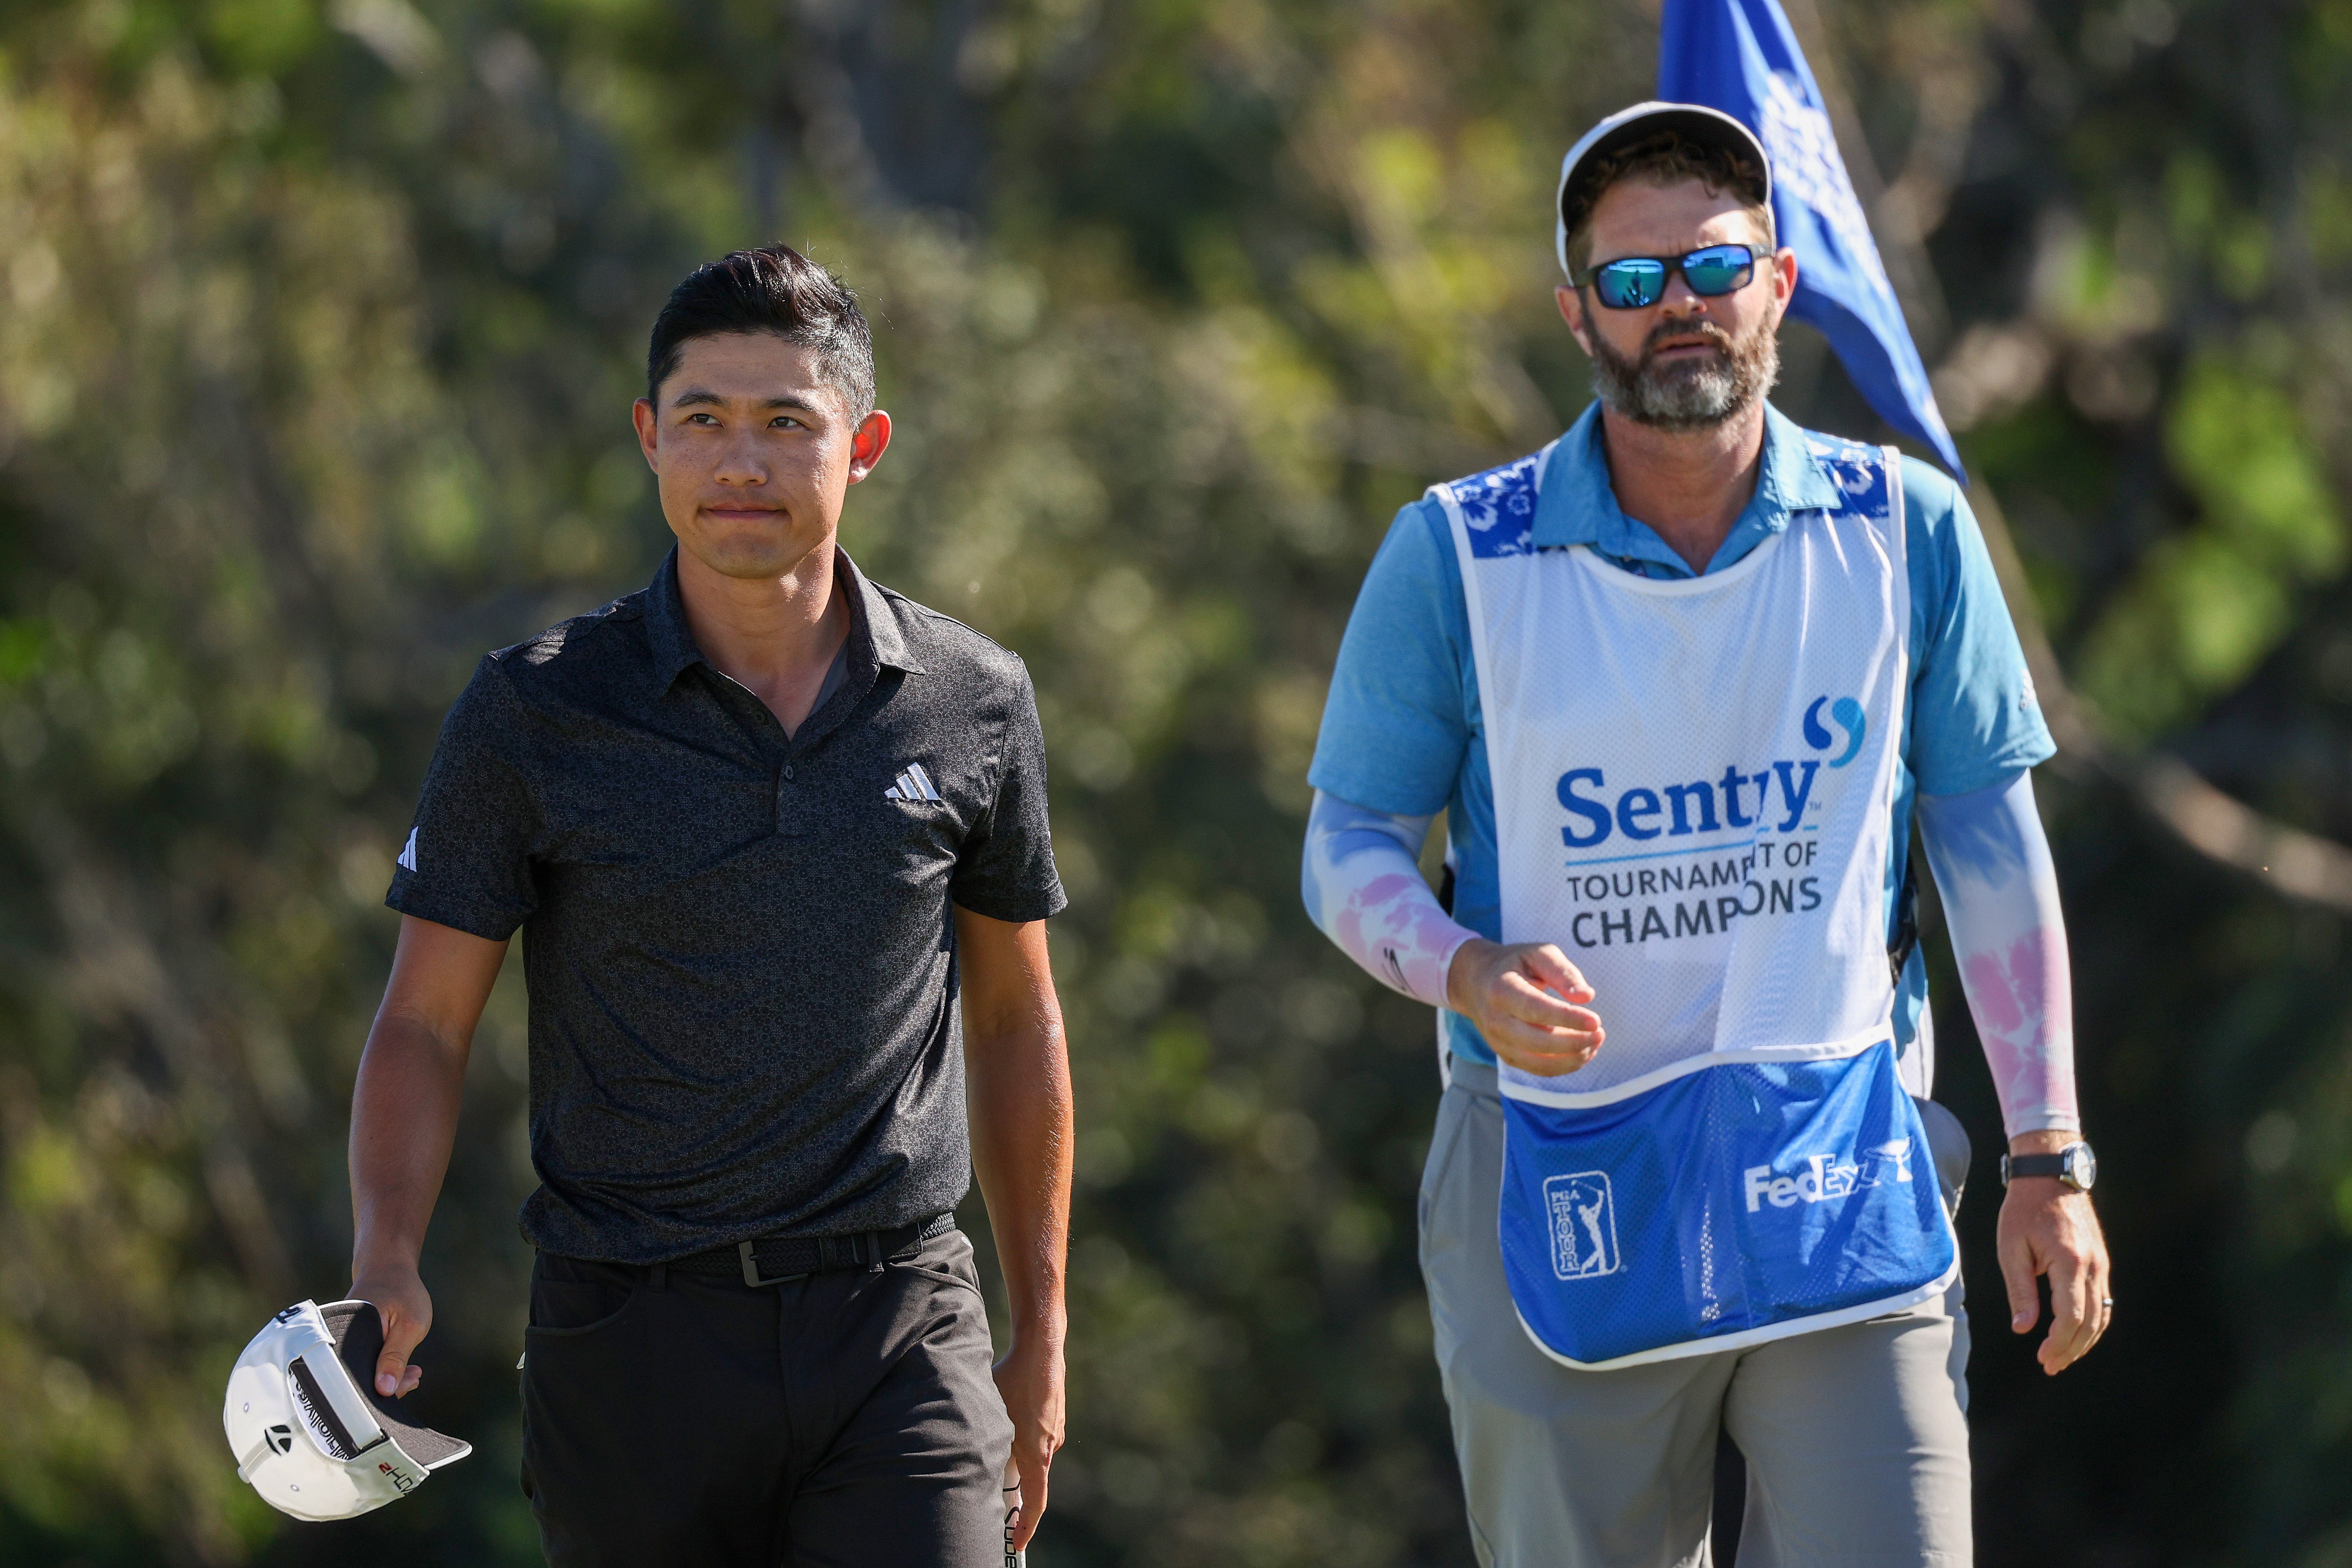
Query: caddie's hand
x,y
2048,1227
401,1300
1525,998
1030,1379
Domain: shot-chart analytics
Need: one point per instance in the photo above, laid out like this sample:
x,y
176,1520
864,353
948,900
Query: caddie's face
x,y
1634,217
755,452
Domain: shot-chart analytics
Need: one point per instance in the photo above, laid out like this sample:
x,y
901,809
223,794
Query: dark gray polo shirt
x,y
741,962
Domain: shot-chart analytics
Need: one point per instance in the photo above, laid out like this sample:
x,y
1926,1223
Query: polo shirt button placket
x,y
788,815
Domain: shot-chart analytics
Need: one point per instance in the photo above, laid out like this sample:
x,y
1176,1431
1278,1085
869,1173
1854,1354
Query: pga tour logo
x,y
1583,1224
1822,1178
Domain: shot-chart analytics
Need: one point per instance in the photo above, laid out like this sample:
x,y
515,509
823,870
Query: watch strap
x,y
2015,1165
2074,1165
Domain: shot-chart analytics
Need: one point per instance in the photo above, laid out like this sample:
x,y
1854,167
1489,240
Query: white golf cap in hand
x,y
310,1433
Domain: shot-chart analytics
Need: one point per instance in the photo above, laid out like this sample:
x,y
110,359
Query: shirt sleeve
x,y
467,860
1975,720
1006,868
1396,724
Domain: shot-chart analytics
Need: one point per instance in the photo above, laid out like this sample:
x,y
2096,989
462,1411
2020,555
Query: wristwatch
x,y
2074,1164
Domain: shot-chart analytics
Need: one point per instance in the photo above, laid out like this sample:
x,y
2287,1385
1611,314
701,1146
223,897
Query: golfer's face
x,y
754,452
1636,218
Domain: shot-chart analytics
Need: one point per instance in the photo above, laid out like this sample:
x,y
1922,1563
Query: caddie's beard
x,y
1689,393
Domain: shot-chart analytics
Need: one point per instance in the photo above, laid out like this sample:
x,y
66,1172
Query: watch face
x,y
2082,1166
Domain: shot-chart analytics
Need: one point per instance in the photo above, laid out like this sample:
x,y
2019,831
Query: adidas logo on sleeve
x,y
407,861
913,785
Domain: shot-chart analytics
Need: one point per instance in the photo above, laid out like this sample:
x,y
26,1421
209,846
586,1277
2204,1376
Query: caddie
x,y
1680,681
776,839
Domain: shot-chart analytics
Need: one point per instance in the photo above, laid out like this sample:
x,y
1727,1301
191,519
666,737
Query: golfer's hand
x,y
1030,1379
2048,1227
1522,998
407,1313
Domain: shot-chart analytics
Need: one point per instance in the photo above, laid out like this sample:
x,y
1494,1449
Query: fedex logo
x,y
1823,1178
1710,805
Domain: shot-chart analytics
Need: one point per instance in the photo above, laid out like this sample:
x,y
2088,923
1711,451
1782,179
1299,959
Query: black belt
x,y
772,1260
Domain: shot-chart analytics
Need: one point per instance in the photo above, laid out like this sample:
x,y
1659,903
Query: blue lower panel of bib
x,y
1738,1197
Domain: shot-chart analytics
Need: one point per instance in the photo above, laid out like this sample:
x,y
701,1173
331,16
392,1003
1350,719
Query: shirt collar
x,y
872,619
874,638
1578,505
665,629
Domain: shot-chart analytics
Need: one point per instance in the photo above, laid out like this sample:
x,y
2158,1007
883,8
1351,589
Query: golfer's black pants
x,y
844,1418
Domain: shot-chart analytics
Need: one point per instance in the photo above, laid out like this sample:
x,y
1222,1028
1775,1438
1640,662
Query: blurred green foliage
x,y
317,327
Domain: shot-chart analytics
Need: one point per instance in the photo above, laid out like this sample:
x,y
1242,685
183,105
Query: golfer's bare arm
x,y
1017,1066
412,1079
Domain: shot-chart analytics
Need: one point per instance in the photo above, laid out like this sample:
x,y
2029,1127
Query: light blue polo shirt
x,y
1401,729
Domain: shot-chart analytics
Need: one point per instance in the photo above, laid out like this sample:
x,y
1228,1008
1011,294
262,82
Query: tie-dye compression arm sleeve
x,y
1364,890
2001,899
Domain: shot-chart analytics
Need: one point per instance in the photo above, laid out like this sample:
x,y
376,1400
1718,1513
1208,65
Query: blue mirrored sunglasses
x,y
1631,282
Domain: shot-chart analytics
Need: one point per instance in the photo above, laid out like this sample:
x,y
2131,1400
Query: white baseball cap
x,y
306,1426
1627,126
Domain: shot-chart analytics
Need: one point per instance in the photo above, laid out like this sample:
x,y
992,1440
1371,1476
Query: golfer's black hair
x,y
775,290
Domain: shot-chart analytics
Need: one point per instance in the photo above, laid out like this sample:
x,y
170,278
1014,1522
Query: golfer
x,y
1681,682
776,836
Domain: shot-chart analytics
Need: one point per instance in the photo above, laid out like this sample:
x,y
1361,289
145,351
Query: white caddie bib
x,y
1693,789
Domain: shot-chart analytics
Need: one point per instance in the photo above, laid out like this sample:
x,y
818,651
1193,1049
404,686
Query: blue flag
x,y
1740,57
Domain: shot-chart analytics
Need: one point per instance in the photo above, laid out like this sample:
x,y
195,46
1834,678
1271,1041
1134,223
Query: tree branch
x,y
2302,866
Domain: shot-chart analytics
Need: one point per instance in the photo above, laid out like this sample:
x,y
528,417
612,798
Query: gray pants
x,y
1856,1437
